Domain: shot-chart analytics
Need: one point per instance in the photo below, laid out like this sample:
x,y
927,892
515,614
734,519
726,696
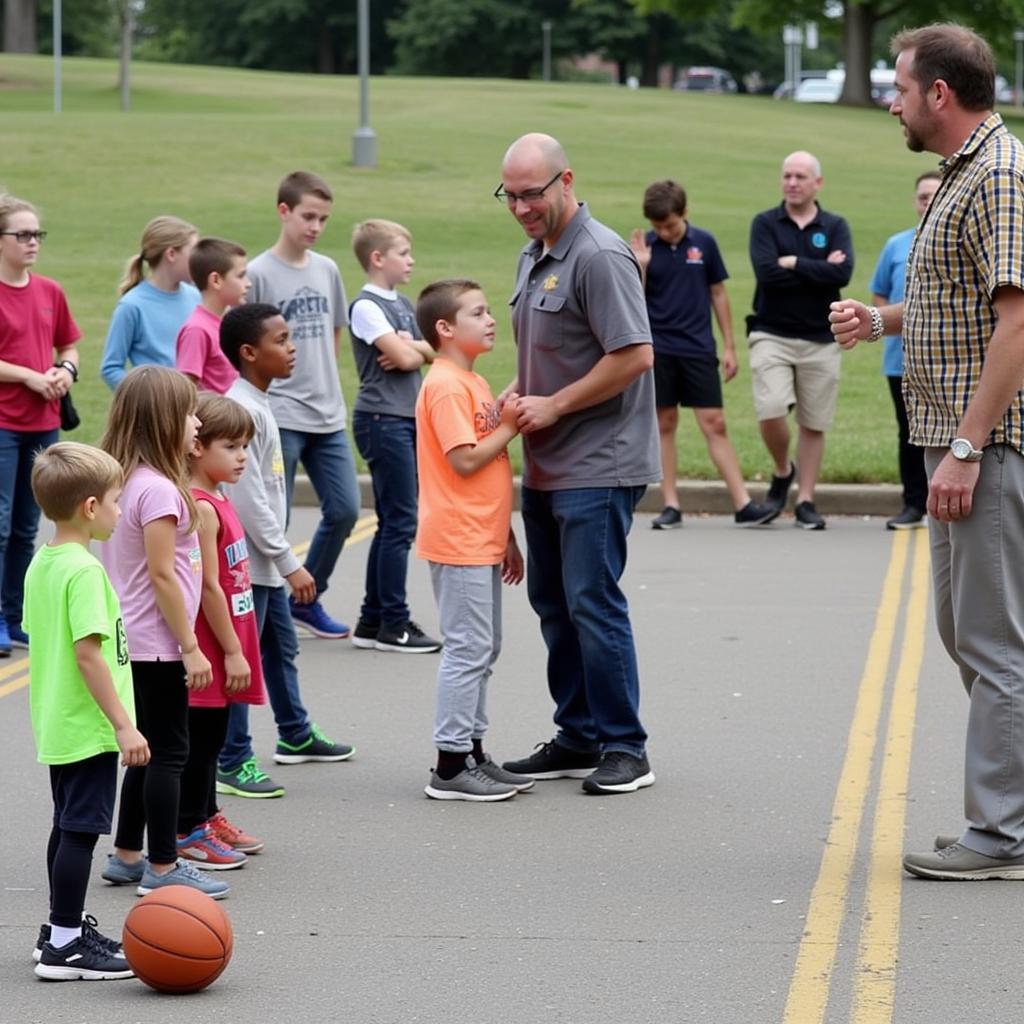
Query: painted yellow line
x,y
365,527
874,993
14,666
18,682
812,974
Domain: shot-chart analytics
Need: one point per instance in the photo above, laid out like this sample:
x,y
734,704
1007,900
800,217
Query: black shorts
x,y
84,794
691,381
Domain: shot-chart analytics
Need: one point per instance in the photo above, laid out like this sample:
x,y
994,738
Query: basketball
x,y
177,939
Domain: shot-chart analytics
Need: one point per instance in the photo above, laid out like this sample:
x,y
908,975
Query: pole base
x,y
364,148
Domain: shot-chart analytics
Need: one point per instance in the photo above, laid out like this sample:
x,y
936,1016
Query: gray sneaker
x,y
941,841
472,783
119,872
183,874
499,774
957,863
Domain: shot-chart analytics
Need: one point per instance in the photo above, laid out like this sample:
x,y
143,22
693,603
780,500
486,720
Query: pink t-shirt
x,y
200,355
148,496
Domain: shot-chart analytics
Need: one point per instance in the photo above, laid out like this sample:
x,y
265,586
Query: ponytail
x,y
159,235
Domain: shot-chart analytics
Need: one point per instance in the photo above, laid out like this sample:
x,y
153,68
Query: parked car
x,y
819,90
715,80
784,90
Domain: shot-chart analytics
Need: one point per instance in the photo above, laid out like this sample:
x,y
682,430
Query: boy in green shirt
x,y
80,693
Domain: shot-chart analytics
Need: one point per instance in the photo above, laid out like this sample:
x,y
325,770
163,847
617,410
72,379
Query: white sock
x,y
60,936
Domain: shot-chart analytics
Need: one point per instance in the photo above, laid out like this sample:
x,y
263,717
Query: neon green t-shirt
x,y
68,598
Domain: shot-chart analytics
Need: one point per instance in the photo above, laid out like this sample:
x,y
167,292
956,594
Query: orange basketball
x,y
177,939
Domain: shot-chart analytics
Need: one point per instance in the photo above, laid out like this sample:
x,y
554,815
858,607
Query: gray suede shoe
x,y
958,864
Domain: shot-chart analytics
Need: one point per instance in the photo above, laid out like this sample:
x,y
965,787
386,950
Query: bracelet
x,y
877,327
66,364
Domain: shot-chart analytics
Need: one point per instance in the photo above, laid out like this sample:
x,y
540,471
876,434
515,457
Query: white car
x,y
818,90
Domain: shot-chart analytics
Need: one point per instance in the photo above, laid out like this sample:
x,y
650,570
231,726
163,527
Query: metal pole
x,y
364,141
57,52
546,27
1018,91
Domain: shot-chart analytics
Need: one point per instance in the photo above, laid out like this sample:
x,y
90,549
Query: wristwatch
x,y
963,450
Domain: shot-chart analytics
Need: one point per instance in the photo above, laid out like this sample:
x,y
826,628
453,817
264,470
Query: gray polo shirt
x,y
570,306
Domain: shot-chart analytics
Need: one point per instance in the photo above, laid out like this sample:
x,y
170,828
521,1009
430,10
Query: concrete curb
x,y
710,496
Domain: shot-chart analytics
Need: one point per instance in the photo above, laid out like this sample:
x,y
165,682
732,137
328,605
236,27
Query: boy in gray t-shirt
x,y
307,290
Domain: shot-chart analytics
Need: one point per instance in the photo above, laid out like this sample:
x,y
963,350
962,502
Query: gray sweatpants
x,y
469,608
978,577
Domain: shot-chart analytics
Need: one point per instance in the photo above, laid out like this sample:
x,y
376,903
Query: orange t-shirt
x,y
463,520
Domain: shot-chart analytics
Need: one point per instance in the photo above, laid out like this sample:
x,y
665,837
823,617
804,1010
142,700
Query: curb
x,y
705,496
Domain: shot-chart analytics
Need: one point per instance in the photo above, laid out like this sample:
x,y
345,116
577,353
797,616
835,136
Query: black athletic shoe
x,y
619,772
407,638
753,514
89,924
86,958
778,492
553,761
909,519
365,635
807,516
667,519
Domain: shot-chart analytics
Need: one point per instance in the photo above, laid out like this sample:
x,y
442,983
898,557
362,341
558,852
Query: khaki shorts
x,y
789,372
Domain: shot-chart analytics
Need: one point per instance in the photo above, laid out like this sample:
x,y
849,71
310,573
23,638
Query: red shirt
x,y
34,322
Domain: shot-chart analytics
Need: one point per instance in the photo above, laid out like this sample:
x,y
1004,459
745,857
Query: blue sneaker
x,y
19,638
183,874
313,619
119,872
5,640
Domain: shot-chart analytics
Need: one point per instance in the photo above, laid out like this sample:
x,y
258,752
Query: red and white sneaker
x,y
231,835
203,849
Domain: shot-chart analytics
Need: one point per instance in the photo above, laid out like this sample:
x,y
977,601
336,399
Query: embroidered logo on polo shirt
x,y
550,283
694,255
818,240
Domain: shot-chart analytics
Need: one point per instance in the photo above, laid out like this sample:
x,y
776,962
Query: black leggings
x,y
207,728
68,863
149,795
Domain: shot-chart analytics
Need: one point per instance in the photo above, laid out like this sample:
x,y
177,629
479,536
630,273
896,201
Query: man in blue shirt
x,y
684,279
887,285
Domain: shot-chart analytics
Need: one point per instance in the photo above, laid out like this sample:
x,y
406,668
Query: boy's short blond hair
x,y
67,473
376,236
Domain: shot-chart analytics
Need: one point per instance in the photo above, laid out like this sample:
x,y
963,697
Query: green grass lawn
x,y
211,144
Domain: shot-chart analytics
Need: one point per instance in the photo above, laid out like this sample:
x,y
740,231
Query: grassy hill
x,y
211,144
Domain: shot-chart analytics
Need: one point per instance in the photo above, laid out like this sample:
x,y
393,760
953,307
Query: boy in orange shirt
x,y
464,532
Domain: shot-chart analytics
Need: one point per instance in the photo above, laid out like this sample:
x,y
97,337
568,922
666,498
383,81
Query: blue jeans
x,y
576,542
388,444
279,648
19,514
328,460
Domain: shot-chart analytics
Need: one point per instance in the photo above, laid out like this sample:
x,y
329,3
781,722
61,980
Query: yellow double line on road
x,y
875,970
14,677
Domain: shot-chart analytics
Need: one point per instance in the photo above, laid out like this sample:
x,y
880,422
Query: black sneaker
x,y
619,772
667,519
807,516
407,638
84,958
753,514
553,761
778,492
909,519
89,924
365,635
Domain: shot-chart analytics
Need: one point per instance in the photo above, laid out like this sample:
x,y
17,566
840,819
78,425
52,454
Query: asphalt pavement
x,y
790,681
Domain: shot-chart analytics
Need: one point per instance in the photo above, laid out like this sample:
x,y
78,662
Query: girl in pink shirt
x,y
155,564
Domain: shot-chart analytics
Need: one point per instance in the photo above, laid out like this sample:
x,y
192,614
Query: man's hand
x,y
730,367
951,491
641,250
850,322
535,413
836,256
303,585
787,262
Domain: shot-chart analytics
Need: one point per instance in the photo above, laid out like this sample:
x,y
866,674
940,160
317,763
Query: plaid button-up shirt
x,y
970,243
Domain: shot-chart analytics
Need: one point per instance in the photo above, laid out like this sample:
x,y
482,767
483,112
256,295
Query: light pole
x,y
364,141
546,28
1018,91
57,52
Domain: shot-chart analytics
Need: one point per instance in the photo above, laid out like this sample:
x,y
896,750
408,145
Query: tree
x,y
20,26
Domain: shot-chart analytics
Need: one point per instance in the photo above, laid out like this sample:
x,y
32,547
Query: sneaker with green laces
x,y
248,779
315,747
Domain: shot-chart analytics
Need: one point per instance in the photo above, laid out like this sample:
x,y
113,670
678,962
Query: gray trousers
x,y
469,608
978,577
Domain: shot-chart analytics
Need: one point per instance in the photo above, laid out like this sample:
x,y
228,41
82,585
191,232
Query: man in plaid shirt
x,y
962,322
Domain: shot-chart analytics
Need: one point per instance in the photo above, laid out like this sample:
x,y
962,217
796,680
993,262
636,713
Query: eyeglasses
x,y
24,237
531,195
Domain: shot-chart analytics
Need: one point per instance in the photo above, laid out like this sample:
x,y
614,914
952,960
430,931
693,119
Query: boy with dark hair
x,y
219,272
309,407
465,533
80,692
388,354
684,280
255,338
